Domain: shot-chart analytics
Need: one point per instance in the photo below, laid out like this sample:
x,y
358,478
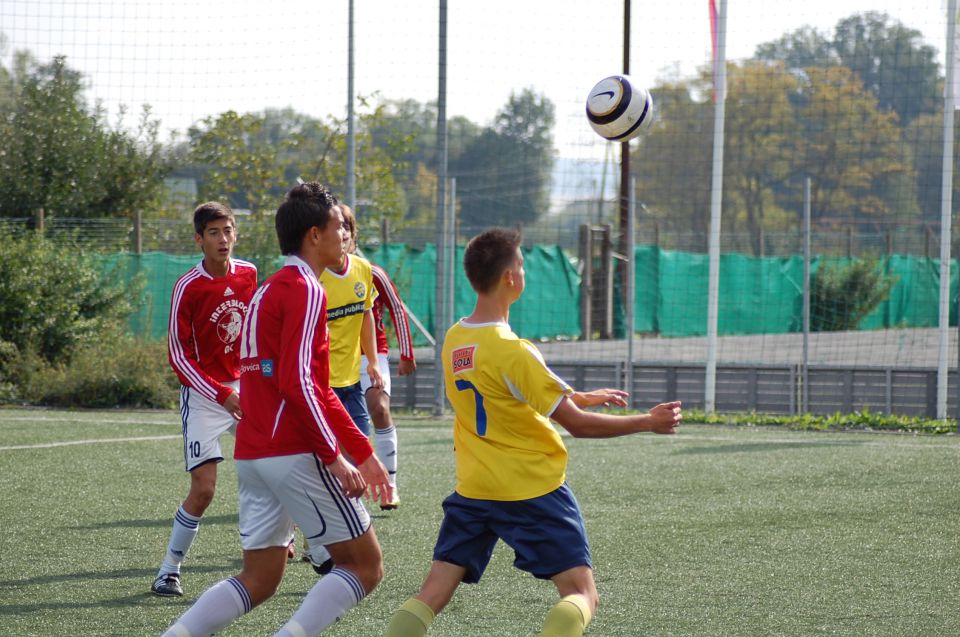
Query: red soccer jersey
x,y
387,297
288,405
206,313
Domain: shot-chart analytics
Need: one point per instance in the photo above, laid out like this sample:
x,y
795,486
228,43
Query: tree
x,y
252,160
925,136
759,146
892,63
63,156
889,59
503,175
850,150
414,124
673,160
799,49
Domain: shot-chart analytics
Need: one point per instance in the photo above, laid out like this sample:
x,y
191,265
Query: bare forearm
x,y
662,419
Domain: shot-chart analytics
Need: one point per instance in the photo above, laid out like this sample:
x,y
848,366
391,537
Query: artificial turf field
x,y
714,531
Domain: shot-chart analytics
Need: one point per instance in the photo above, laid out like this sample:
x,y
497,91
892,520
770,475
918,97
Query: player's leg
x,y
550,542
326,517
203,422
265,531
464,546
227,600
416,614
385,432
578,603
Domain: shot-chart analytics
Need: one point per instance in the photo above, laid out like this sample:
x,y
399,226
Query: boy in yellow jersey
x,y
511,462
350,295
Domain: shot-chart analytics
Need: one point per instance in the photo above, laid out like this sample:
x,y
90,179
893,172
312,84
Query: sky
x,y
191,59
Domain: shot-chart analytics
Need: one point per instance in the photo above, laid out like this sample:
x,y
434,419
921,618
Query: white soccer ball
x,y
619,109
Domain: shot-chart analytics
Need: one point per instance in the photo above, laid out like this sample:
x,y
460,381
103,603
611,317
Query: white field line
x,y
940,444
95,441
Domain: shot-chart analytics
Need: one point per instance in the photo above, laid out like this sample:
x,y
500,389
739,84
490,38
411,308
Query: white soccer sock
x,y
385,442
327,601
223,602
185,528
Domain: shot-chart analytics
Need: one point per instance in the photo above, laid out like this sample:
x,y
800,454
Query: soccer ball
x,y
618,109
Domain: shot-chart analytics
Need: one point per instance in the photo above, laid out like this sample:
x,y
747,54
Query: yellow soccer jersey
x,y
349,294
502,395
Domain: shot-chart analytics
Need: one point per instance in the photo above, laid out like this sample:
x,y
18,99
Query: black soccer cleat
x,y
324,567
167,585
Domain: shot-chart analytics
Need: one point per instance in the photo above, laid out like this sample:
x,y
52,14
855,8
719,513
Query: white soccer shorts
x,y
384,365
203,421
280,492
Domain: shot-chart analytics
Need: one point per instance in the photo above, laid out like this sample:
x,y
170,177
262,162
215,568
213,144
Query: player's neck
x,y
490,309
216,268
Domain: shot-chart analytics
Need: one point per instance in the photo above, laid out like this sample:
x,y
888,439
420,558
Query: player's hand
x,y
232,405
665,418
351,479
605,397
377,479
407,367
373,372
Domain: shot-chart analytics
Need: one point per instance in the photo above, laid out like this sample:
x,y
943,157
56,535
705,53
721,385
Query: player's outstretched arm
x,y
598,397
662,419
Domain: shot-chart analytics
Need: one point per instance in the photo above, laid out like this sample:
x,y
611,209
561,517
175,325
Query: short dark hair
x,y
211,211
306,205
488,255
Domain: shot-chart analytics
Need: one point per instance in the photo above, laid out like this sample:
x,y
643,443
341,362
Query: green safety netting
x,y
758,295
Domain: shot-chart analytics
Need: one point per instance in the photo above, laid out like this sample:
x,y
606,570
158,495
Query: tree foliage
x,y
888,58
503,175
63,156
781,127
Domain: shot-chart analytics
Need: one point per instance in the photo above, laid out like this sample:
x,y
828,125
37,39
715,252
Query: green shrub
x,y
841,296
54,298
113,372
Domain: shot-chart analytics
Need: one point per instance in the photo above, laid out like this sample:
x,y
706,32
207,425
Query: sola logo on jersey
x,y
463,358
229,319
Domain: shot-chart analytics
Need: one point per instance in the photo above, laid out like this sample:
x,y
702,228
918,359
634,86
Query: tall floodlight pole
x,y
716,197
631,283
946,206
625,240
439,311
351,133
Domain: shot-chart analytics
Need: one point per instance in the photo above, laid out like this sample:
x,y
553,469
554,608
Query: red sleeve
x,y
303,345
393,302
181,348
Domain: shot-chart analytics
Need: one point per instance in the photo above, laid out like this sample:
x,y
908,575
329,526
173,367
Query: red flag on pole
x,y
713,43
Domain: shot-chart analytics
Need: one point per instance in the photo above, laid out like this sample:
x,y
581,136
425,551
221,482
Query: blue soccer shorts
x,y
546,533
356,405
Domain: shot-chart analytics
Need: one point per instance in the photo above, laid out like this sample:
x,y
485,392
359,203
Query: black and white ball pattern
x,y
618,109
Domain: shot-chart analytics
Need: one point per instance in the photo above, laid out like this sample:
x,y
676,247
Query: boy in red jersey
x,y
206,312
290,468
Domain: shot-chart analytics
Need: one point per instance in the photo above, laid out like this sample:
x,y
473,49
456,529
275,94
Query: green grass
x,y
716,531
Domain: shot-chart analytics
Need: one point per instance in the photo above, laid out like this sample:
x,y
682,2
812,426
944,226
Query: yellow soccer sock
x,y
410,620
568,618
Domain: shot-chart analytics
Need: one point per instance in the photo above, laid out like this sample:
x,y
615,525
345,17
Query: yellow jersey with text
x,y
350,293
502,395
